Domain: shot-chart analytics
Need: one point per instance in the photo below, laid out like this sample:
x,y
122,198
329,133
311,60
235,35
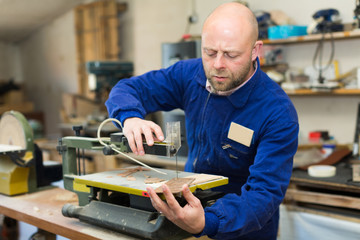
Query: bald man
x,y
239,124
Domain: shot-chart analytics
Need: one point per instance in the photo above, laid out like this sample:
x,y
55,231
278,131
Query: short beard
x,y
236,79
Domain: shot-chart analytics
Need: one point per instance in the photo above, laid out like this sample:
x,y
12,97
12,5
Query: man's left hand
x,y
191,217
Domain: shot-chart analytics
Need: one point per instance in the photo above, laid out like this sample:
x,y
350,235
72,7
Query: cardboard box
x,y
13,97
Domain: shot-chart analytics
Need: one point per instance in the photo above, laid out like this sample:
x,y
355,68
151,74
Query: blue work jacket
x,y
258,164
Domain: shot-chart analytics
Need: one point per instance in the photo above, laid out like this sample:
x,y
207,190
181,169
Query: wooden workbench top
x,y
43,210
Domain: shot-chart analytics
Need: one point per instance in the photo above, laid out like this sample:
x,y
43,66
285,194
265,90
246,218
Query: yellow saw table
x,y
118,199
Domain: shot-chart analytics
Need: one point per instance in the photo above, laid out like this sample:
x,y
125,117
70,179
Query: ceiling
x,y
19,18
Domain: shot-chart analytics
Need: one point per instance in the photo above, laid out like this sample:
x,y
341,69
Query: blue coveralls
x,y
258,175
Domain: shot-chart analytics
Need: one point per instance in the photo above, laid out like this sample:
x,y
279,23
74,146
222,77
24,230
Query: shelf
x,y
314,38
335,92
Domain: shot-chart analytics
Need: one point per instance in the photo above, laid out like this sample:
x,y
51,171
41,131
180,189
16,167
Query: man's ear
x,y
256,50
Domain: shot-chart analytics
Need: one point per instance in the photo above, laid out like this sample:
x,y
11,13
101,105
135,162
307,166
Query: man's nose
x,y
219,62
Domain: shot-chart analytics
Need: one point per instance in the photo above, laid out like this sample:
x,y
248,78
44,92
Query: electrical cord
x,y
193,18
116,149
319,54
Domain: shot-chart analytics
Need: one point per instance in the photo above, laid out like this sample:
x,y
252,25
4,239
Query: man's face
x,y
227,59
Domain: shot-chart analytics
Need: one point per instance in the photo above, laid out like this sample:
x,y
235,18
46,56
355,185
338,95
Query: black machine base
x,y
144,224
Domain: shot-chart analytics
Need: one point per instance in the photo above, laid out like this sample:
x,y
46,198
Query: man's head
x,y
229,45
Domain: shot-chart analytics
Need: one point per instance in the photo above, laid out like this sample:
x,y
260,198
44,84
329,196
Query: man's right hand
x,y
134,130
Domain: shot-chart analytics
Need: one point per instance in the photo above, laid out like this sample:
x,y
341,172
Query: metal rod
x,y
177,172
78,161
83,161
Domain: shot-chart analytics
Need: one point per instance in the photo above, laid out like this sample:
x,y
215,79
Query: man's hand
x,y
191,217
136,128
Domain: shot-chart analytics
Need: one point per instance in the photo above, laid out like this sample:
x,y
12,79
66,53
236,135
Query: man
x,y
239,123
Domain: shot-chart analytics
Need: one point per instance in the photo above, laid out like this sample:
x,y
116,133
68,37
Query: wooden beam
x,y
323,199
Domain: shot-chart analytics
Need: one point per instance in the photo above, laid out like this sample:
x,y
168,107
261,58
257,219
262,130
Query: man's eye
x,y
231,55
210,53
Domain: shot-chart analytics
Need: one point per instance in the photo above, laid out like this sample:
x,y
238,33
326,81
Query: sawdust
x,y
151,180
129,171
68,197
131,178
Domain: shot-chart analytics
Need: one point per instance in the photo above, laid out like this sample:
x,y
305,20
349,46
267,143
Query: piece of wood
x,y
25,107
152,180
323,199
131,178
202,178
356,173
175,185
43,210
314,38
129,171
335,157
97,36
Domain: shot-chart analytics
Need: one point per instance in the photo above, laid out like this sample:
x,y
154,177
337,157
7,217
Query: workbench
x,y
336,196
42,209
321,208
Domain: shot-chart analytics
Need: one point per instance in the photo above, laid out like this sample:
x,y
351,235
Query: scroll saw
x,y
21,166
118,199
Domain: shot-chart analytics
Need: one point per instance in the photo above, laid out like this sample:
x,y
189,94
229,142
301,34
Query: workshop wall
x,y
335,114
48,59
156,22
9,62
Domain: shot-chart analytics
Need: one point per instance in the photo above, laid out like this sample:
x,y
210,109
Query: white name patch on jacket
x,y
240,134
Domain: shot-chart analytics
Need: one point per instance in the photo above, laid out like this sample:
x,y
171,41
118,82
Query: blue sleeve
x,y
237,215
150,92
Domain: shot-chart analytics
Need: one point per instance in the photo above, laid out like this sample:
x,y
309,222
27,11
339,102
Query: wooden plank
x,y
356,172
111,30
202,178
97,36
335,92
25,107
323,199
314,38
175,184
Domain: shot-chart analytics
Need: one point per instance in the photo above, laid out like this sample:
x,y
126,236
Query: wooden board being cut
x,y
175,184
202,178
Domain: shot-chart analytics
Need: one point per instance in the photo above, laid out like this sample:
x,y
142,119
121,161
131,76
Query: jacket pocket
x,y
235,156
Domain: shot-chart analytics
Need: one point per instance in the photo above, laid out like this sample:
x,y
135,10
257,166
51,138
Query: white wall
x,y
335,114
49,62
9,62
155,22
48,59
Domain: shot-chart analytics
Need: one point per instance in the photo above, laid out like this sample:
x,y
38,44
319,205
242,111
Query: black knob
x,y
107,150
77,129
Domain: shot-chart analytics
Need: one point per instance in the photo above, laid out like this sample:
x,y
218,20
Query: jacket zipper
x,y
199,134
